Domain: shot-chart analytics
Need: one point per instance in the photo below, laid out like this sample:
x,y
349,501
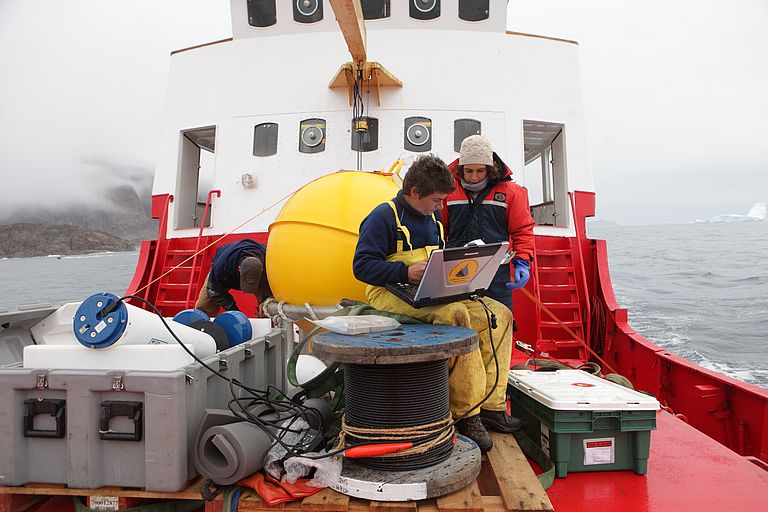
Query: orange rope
x,y
238,227
228,233
575,337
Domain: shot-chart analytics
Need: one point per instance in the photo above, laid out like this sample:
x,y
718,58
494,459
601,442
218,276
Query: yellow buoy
x,y
312,241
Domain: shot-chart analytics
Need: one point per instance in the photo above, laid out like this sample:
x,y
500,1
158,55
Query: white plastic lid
x,y
568,390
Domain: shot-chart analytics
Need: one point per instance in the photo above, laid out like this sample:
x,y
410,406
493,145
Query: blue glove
x,y
522,274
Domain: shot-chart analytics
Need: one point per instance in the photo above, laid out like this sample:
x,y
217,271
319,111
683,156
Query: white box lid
x,y
568,390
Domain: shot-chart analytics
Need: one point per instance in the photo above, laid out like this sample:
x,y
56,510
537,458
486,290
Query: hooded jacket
x,y
498,213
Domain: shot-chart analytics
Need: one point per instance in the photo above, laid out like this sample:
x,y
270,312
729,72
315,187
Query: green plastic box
x,y
583,422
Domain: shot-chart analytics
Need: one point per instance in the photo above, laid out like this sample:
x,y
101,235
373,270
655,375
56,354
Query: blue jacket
x,y
224,267
378,240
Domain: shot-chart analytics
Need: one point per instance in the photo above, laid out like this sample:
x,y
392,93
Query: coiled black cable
x,y
391,397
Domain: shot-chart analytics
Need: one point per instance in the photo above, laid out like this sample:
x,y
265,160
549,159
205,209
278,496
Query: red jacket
x,y
503,214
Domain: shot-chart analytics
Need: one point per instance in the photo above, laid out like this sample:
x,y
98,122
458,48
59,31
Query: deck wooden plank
x,y
326,500
518,485
393,506
467,499
191,492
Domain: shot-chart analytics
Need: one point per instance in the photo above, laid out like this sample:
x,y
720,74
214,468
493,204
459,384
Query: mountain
x,y
24,240
118,221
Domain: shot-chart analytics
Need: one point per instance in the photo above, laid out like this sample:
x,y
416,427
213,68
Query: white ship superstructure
x,y
237,109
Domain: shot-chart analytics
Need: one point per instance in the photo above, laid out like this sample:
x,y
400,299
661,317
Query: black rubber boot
x,y
473,428
500,421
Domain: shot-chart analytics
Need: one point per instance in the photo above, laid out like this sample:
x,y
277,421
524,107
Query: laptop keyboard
x,y
406,289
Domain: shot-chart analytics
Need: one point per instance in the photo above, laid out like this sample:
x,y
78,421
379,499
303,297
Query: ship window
x,y
265,139
424,9
365,134
418,134
262,13
307,11
195,178
463,128
545,172
312,136
375,9
473,10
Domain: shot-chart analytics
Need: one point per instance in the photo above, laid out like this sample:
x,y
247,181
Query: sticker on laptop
x,y
463,272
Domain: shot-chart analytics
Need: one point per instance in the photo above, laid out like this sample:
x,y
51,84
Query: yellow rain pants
x,y
471,376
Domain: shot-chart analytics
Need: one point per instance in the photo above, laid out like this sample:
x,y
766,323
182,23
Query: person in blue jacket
x,y
235,266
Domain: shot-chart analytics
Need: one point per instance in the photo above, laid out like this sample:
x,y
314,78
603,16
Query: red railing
x,y
193,271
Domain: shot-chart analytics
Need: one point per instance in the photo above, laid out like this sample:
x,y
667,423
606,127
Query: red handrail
x,y
588,320
197,246
162,229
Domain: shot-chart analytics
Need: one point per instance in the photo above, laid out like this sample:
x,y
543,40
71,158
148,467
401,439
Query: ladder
x,y
557,287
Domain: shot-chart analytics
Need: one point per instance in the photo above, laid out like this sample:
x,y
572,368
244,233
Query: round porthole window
x,y
307,7
417,134
424,5
312,136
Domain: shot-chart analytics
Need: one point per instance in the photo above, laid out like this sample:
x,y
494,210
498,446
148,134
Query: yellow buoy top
x,y
312,241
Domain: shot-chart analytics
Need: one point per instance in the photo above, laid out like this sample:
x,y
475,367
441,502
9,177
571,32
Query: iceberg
x,y
756,213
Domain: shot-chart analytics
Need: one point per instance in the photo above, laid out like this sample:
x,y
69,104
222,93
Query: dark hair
x,y
493,171
429,174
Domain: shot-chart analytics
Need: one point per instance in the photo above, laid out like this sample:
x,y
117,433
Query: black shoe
x,y
500,421
472,428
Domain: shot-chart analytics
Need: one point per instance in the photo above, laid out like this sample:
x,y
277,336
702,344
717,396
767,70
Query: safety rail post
x,y
537,294
588,320
199,239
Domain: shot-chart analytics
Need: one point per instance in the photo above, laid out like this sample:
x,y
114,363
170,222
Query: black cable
x,y
395,397
259,396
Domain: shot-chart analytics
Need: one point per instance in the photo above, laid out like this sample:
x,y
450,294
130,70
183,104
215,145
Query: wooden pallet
x,y
506,483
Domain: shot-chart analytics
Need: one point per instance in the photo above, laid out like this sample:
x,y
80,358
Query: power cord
x,y
241,406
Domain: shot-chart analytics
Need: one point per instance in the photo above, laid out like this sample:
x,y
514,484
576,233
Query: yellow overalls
x,y
471,376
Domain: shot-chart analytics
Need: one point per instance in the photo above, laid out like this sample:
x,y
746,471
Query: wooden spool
x,y
411,343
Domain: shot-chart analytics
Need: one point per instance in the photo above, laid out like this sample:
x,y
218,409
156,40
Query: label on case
x,y
599,451
104,503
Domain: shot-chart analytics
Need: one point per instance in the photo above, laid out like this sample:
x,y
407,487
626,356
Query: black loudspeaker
x,y
262,13
312,136
418,134
424,9
307,11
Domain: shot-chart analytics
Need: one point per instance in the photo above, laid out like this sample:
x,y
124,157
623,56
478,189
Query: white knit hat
x,y
475,149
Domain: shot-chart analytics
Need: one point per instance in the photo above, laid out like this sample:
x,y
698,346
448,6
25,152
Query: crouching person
x,y
235,266
396,239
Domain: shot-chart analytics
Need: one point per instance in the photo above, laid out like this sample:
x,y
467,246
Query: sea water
x,y
698,290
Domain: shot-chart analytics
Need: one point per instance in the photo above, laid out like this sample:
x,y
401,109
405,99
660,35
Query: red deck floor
x,y
687,471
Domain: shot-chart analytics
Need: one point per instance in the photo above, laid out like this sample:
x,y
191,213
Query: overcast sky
x,y
674,92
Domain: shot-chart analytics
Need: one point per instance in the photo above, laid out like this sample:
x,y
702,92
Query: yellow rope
x,y
403,434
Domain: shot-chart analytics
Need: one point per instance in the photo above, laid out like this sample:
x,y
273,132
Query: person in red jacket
x,y
488,205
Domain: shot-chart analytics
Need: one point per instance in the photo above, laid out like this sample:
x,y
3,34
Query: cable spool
x,y
396,390
393,397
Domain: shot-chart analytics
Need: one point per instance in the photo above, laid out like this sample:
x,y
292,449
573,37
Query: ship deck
x,y
687,471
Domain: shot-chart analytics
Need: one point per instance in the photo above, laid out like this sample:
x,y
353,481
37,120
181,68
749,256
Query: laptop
x,y
453,274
